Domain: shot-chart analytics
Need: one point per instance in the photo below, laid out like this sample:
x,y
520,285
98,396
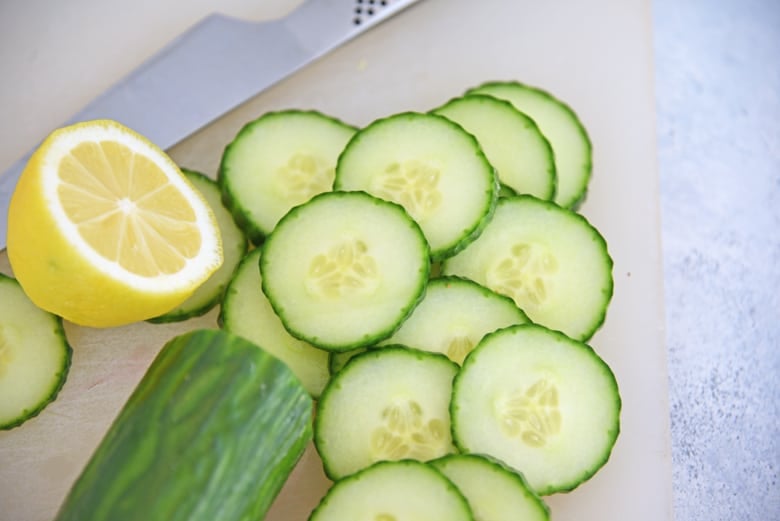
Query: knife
x,y
229,60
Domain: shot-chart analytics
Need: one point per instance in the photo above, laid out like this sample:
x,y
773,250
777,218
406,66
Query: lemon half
x,y
105,230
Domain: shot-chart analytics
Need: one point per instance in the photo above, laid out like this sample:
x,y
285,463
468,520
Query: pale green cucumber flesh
x,y
432,167
512,142
550,260
246,312
494,491
453,317
279,161
385,404
562,127
394,491
336,360
345,269
199,439
234,245
35,356
544,404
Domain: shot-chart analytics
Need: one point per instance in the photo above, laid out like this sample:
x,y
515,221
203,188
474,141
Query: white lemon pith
x,y
105,230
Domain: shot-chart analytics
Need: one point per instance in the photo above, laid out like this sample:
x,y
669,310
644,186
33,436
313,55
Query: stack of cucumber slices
x,y
429,279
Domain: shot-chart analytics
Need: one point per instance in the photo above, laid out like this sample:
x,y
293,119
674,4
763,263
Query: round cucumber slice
x,y
539,401
453,317
394,490
34,356
432,167
561,126
234,245
247,313
344,270
278,161
550,260
494,491
512,142
385,404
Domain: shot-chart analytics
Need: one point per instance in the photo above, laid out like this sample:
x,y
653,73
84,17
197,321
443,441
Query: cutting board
x,y
597,56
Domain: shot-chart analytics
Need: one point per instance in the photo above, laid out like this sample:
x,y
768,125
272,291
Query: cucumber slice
x,y
234,245
550,260
279,161
390,491
561,126
512,142
385,404
246,312
345,269
494,491
432,167
34,356
539,401
453,317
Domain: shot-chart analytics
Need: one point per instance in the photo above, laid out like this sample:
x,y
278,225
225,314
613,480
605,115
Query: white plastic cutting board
x,y
596,55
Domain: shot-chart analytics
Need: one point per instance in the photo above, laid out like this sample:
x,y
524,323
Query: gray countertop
x,y
718,99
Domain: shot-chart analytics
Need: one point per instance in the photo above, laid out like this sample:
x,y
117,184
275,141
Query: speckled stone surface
x,y
718,99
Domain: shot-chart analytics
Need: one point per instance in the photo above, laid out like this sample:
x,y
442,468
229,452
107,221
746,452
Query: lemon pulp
x,y
126,210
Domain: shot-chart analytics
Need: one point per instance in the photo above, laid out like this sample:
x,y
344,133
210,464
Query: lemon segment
x,y
105,230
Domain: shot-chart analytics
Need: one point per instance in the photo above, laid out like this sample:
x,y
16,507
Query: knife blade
x,y
228,60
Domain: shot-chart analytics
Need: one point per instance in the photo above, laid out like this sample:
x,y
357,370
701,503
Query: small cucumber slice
x,y
512,142
432,167
394,490
453,317
550,260
278,161
234,245
494,491
563,129
544,404
343,270
34,356
247,313
385,404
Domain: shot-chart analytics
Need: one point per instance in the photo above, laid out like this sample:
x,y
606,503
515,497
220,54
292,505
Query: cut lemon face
x,y
105,230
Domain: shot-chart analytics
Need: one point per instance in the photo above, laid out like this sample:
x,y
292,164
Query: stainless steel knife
x,y
229,61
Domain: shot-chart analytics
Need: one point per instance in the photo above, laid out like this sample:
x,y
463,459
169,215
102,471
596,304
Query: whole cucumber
x,y
211,432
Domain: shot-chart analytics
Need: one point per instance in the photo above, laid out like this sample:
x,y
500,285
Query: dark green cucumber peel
x,y
212,431
58,379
